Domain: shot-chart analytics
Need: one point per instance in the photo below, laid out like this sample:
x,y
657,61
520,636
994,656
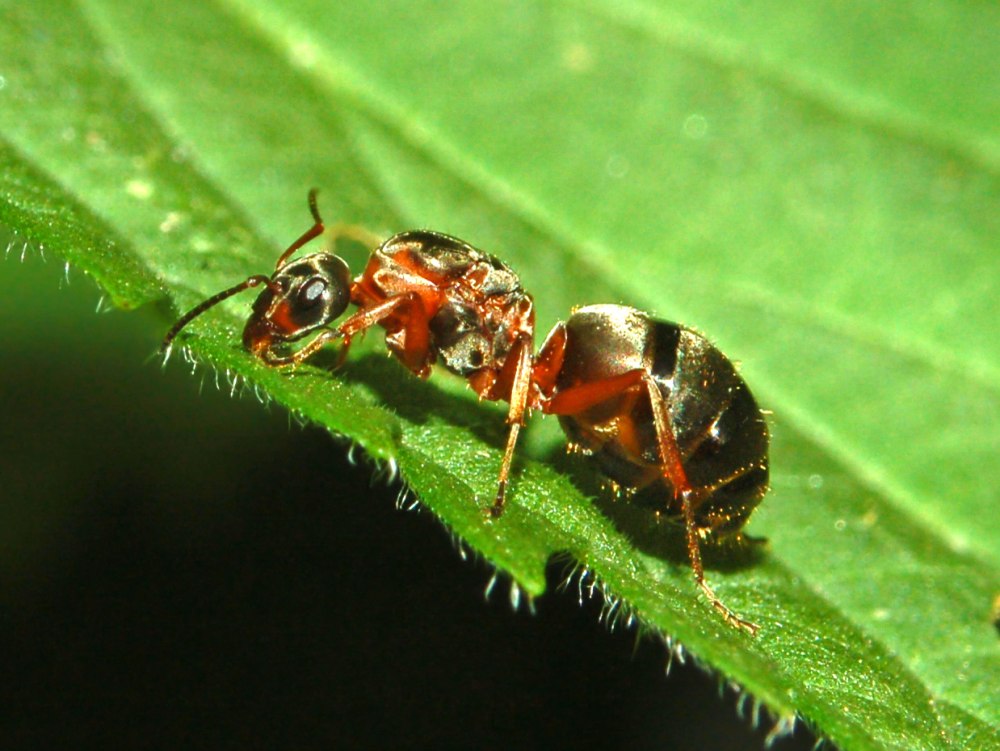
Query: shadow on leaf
x,y
634,515
661,536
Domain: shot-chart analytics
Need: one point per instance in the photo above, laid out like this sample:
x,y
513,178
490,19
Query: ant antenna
x,y
253,281
313,232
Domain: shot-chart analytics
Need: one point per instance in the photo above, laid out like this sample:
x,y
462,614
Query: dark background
x,y
185,569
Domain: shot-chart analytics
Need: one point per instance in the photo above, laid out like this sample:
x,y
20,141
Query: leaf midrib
x,y
337,78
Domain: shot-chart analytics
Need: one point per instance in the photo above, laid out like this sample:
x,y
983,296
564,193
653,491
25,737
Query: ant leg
x,y
300,355
354,232
345,345
549,361
673,470
360,321
586,395
350,231
515,418
415,350
367,317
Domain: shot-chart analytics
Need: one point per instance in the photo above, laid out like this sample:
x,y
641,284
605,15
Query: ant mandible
x,y
651,401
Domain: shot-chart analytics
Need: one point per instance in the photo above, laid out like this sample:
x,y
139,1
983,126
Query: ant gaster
x,y
653,402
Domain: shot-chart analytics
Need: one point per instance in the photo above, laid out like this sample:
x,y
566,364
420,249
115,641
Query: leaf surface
x,y
817,191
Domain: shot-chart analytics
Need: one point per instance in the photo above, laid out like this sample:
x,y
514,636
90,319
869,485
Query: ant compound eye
x,y
312,292
317,292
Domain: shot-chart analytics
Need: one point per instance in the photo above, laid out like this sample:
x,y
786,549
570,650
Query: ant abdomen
x,y
719,430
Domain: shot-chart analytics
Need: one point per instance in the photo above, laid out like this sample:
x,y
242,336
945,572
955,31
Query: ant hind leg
x,y
673,470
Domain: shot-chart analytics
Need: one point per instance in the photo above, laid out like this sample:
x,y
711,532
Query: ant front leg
x,y
409,341
303,354
416,334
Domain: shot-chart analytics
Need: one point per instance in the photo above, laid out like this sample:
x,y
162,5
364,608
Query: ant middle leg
x,y
520,387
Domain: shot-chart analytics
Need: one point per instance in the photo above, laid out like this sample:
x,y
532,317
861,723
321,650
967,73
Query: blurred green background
x,y
180,567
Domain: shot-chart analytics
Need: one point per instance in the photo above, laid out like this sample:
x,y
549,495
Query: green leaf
x,y
815,187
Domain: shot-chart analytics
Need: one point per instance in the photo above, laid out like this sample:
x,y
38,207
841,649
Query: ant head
x,y
302,296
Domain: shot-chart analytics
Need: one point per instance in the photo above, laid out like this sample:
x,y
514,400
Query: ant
x,y
651,401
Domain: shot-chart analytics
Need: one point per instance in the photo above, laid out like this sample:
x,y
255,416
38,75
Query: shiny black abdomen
x,y
719,429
